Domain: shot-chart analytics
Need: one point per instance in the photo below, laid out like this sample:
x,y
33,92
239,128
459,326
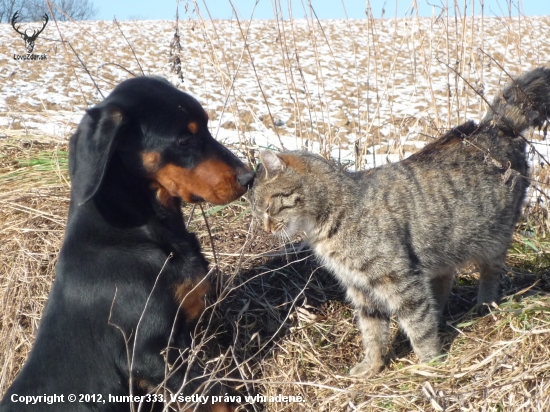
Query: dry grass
x,y
34,201
279,323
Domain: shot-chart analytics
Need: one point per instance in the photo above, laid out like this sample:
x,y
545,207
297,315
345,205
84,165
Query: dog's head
x,y
160,134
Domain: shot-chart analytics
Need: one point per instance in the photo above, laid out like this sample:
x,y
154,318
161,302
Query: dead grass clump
x,y
34,202
290,332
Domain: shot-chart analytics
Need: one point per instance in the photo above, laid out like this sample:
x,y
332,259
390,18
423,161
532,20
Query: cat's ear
x,y
272,163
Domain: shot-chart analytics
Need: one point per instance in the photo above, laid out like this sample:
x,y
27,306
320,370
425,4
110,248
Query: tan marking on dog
x,y
150,161
163,196
211,180
144,384
190,294
193,127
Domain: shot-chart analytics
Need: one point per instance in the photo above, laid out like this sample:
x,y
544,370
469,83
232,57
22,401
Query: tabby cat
x,y
395,235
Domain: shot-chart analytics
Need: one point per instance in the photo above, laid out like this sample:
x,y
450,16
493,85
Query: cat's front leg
x,y
490,274
374,327
418,316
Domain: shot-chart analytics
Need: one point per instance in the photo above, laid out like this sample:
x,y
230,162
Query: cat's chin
x,y
299,225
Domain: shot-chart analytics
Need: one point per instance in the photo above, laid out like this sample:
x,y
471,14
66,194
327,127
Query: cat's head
x,y
281,196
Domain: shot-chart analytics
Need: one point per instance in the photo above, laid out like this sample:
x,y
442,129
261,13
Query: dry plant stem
x,y
356,66
49,3
311,384
192,351
462,62
289,76
370,121
141,317
267,342
448,63
243,379
507,43
427,69
216,268
120,67
238,266
309,105
229,88
321,89
472,57
126,345
129,45
256,74
191,215
34,212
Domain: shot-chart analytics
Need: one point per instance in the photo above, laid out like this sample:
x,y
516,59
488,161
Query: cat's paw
x,y
428,357
366,369
483,309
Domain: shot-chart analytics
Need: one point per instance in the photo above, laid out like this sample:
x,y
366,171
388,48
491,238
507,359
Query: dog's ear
x,y
90,149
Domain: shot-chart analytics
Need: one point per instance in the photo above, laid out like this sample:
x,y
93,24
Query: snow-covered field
x,y
366,91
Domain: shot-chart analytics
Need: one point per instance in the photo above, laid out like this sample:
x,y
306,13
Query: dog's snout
x,y
245,177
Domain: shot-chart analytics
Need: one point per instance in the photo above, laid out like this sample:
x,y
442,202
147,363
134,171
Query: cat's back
x,y
451,199
456,168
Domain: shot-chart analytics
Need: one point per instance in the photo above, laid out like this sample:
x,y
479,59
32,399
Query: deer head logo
x,y
29,40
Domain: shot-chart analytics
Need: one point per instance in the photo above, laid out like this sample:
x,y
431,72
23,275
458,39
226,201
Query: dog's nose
x,y
245,177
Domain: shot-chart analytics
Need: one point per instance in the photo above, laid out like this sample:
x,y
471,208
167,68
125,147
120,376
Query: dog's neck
x,y
125,202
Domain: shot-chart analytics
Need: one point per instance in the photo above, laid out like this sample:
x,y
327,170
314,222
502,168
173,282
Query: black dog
x,y
130,280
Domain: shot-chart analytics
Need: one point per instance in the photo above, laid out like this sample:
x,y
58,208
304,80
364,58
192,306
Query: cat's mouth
x,y
287,227
272,225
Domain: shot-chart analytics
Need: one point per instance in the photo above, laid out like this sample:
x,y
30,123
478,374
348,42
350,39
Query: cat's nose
x,y
245,177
